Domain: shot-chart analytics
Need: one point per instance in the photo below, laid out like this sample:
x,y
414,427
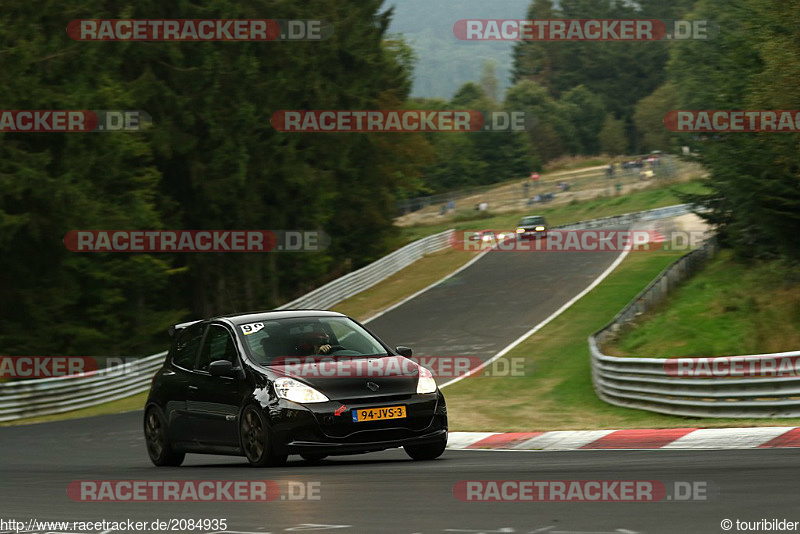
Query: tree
x,y
619,73
545,138
612,136
474,158
211,161
489,82
754,197
585,112
649,118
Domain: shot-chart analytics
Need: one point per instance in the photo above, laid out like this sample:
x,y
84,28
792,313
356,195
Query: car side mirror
x,y
403,351
221,368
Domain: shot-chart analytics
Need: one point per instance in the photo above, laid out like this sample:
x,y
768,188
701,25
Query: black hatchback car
x,y
270,384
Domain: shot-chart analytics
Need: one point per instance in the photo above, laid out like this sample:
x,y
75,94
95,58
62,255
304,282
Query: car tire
x,y
158,446
428,451
313,458
256,439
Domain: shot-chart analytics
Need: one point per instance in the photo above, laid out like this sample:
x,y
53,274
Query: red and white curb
x,y
766,437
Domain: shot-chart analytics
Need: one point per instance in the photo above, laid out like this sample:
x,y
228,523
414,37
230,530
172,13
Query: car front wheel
x,y
257,441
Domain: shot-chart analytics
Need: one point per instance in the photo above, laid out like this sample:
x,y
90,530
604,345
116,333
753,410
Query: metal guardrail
x,y
645,384
345,287
629,218
47,396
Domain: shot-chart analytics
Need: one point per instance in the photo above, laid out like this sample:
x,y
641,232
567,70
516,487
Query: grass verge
x,y
556,392
726,309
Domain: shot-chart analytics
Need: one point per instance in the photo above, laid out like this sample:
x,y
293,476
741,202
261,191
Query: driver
x,y
316,342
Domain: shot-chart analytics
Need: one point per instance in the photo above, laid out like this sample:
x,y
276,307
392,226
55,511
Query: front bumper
x,y
333,448
298,428
532,234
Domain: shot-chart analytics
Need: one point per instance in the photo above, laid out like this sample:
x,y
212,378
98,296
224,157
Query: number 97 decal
x,y
251,328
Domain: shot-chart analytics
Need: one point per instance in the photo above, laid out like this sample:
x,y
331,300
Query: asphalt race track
x,y
387,492
478,312
488,305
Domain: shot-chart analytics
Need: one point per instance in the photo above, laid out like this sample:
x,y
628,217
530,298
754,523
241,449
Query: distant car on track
x,y
532,226
225,389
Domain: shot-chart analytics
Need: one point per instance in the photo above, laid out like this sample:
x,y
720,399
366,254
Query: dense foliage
x,y
211,161
754,177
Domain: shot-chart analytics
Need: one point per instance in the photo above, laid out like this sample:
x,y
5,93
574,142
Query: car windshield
x,y
303,336
526,221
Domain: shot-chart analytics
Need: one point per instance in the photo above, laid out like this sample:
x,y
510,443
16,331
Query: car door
x,y
214,401
175,380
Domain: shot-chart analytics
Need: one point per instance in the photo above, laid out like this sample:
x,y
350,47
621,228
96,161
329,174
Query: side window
x,y
187,346
218,346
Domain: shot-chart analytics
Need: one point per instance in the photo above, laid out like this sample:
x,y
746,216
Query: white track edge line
x,y
544,323
426,288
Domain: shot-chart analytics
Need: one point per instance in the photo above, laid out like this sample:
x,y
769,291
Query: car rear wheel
x,y
428,451
257,441
158,446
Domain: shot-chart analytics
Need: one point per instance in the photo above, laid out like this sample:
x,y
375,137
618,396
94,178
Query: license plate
x,y
379,414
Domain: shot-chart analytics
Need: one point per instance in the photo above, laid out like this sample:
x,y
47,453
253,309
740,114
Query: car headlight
x,y
426,383
539,228
291,389
520,230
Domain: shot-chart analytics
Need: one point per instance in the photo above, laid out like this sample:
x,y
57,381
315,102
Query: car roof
x,y
244,318
252,317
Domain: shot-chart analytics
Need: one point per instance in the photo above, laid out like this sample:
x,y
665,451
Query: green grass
x,y
562,214
728,308
556,390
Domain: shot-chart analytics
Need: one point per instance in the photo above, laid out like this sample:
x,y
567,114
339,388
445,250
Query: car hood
x,y
341,378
